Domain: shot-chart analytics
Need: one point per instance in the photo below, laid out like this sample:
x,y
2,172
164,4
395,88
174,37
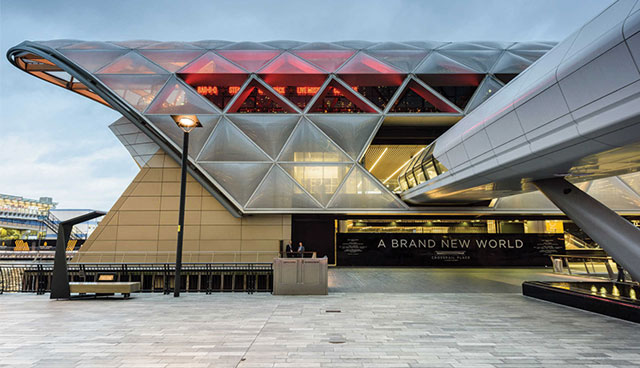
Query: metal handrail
x,y
564,258
169,256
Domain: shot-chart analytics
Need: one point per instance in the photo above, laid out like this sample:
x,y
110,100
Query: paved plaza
x,y
446,324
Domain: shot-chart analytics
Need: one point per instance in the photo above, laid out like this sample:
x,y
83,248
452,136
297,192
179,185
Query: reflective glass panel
x,y
361,191
329,60
132,63
171,60
350,132
137,90
229,144
335,98
416,98
308,144
239,179
278,190
252,60
176,98
255,98
319,180
270,132
92,60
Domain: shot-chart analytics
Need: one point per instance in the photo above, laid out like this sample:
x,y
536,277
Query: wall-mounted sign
x,y
399,249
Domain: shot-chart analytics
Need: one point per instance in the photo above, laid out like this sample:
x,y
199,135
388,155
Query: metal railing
x,y
153,277
562,262
170,256
35,255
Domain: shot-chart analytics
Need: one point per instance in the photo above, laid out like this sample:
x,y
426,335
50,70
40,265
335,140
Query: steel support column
x,y
617,236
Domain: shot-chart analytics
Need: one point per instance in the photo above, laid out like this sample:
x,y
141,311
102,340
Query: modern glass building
x,y
305,141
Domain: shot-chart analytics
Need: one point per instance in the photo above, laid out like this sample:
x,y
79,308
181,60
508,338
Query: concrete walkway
x,y
463,327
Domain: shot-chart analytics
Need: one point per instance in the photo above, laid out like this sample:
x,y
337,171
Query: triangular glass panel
x,y
176,98
350,132
239,179
457,88
228,144
251,60
308,144
211,63
321,46
255,98
404,60
137,90
632,180
134,44
293,78
59,44
335,98
361,191
365,64
531,46
510,63
287,63
197,137
531,55
270,132
321,180
132,63
614,194
247,46
486,89
171,60
92,60
92,45
465,46
437,63
396,46
212,44
329,60
481,60
427,45
416,98
217,88
355,44
171,46
278,190
284,44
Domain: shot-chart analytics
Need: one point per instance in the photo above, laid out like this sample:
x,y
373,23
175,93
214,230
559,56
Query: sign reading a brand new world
x,y
373,249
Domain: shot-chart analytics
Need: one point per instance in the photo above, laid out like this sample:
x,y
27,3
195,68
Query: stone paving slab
x,y
489,329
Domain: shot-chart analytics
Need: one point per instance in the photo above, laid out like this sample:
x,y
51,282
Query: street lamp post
x,y
187,123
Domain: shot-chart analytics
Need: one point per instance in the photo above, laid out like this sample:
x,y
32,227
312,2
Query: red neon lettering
x,y
233,90
207,90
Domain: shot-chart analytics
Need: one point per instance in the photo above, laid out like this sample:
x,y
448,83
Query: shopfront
x,y
443,241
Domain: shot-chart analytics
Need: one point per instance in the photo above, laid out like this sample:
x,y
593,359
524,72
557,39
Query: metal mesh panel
x,y
350,132
308,144
267,131
132,63
228,144
177,98
238,178
197,137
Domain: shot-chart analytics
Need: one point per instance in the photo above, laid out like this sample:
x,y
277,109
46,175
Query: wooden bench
x,y
105,288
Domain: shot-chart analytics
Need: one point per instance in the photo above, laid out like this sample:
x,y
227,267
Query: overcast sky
x,y
56,143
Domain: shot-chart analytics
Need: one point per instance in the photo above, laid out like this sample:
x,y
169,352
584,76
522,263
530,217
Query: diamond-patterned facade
x,y
285,123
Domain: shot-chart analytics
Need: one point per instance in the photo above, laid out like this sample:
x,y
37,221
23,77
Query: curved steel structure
x,y
285,123
93,88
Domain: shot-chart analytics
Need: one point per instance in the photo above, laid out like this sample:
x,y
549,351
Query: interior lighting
x,y
402,166
378,160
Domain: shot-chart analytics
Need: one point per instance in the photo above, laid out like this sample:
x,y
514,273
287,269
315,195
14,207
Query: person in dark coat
x,y
288,251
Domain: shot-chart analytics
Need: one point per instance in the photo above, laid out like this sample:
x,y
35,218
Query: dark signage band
x,y
399,249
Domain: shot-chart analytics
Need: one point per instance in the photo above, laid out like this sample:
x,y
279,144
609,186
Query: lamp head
x,y
186,122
